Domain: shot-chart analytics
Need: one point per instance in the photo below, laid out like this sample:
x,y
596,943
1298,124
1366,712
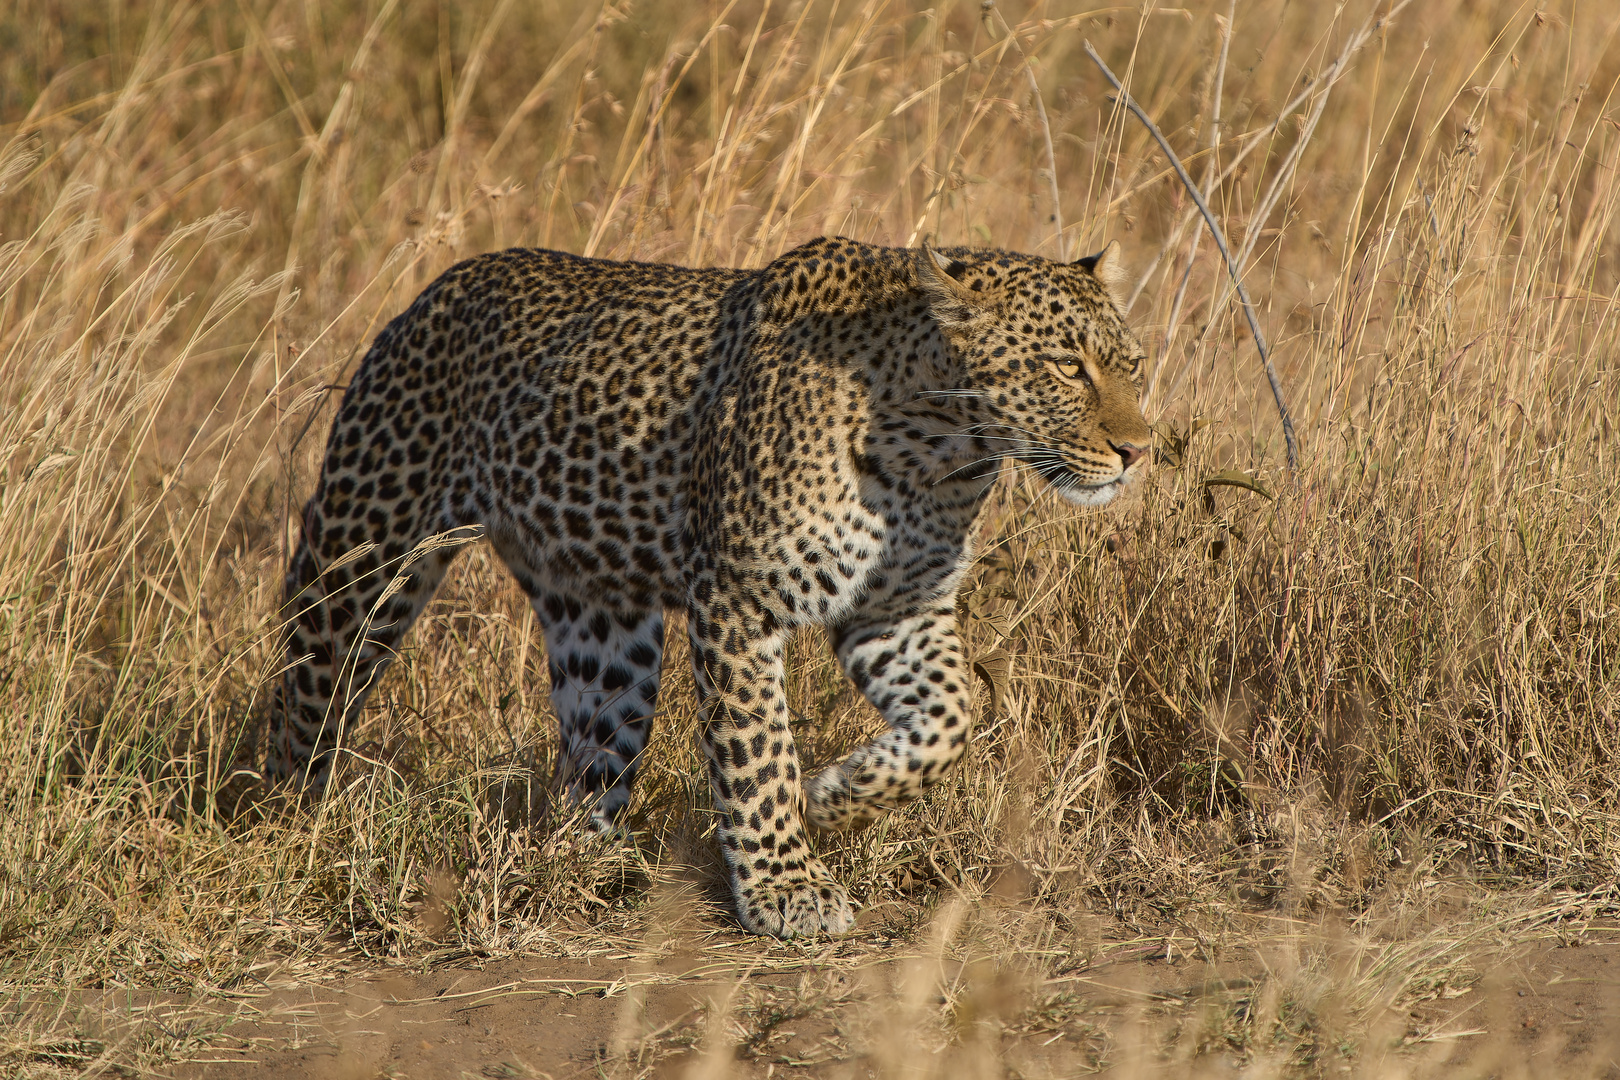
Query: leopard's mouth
x,y
1079,489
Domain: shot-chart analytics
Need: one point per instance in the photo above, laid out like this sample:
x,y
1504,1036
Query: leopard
x,y
812,442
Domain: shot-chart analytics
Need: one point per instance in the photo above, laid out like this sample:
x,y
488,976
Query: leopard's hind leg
x,y
348,617
605,666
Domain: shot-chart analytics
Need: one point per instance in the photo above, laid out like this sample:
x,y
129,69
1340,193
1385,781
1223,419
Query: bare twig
x,y
1210,170
1320,87
1211,165
656,108
1220,242
988,7
1315,92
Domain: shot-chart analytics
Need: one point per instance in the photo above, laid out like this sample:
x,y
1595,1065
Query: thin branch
x,y
1220,242
988,7
1214,163
1322,85
1211,164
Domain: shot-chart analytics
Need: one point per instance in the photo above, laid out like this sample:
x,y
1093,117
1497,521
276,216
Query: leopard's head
x,y
1044,369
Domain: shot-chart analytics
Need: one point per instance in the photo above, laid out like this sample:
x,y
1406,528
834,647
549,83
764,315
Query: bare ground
x,y
707,1002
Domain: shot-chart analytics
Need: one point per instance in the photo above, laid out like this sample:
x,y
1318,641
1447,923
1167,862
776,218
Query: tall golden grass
x,y
1242,690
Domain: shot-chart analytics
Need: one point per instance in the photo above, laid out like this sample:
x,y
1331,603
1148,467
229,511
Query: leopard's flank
x,y
809,443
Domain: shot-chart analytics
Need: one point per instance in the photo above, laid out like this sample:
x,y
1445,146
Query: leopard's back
x,y
551,400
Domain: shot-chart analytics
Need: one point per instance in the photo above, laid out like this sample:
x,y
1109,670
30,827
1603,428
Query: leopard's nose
x,y
1129,453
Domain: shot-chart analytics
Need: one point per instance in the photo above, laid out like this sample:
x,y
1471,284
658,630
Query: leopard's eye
x,y
1068,369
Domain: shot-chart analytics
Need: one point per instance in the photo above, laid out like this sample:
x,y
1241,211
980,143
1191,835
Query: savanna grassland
x,y
1312,756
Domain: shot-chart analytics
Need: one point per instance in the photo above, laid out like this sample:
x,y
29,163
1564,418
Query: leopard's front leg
x,y
780,887
913,670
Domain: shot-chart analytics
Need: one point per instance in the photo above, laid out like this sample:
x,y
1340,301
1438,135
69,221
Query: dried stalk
x,y
1210,170
1220,242
989,8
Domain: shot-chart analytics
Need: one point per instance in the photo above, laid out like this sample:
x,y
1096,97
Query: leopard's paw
x,y
806,902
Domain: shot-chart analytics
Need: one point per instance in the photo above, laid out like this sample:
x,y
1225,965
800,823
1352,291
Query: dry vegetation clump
x,y
1241,696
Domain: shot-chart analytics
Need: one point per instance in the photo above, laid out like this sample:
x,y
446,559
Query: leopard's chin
x,y
1092,494
1076,489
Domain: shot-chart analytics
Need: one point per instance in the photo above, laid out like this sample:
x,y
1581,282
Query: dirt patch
x,y
723,1004
521,1017
1545,1010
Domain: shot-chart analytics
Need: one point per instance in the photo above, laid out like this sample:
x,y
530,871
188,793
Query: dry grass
x,y
1313,696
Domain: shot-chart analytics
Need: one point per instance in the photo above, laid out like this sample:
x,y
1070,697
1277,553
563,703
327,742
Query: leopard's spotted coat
x,y
809,443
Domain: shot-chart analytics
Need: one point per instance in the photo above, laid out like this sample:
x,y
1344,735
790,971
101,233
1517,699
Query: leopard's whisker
x,y
973,428
995,459
966,435
1048,457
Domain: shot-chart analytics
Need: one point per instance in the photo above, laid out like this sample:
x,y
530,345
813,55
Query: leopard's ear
x,y
953,303
1109,269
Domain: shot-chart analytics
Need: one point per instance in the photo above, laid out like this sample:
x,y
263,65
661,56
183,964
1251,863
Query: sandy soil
x,y
727,1005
